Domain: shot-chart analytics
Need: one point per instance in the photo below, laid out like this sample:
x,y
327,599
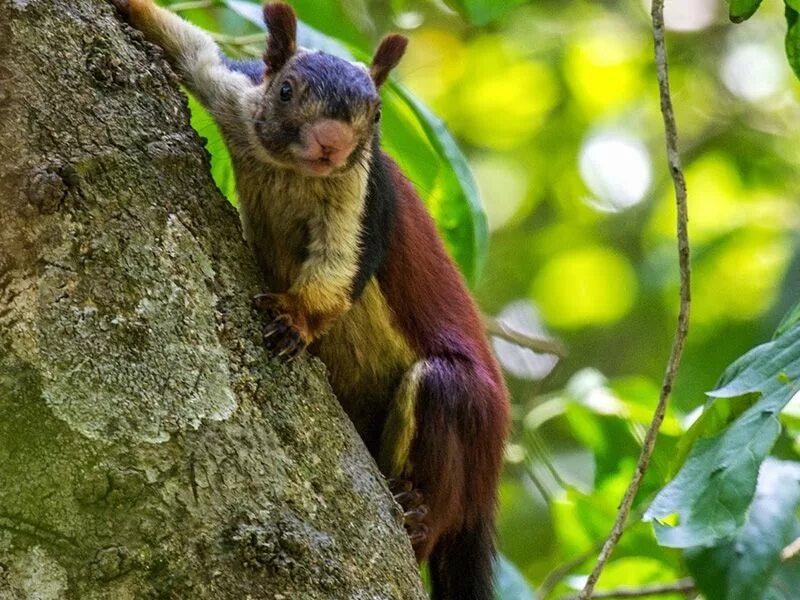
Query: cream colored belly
x,y
366,358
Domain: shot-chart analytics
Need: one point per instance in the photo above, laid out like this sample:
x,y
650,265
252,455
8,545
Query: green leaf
x,y
714,488
793,37
741,10
744,566
483,12
509,583
421,145
221,167
716,417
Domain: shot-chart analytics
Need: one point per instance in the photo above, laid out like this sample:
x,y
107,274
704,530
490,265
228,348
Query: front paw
x,y
284,338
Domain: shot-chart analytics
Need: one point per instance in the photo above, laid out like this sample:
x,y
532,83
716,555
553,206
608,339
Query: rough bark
x,y
149,446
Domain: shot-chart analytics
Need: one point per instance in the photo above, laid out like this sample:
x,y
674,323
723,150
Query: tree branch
x,y
673,158
504,331
681,586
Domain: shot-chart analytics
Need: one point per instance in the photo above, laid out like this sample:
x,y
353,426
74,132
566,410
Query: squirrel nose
x,y
331,139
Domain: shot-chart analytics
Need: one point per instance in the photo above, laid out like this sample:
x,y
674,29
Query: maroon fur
x,y
282,44
462,406
387,56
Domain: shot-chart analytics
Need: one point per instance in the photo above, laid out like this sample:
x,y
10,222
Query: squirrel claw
x,y
411,501
266,303
418,534
416,516
283,338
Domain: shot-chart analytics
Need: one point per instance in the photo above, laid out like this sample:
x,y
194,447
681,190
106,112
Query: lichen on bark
x,y
149,446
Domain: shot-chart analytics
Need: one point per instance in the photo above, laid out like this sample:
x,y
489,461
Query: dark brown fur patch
x,y
282,25
387,56
461,405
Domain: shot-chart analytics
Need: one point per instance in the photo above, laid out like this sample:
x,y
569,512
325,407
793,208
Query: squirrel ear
x,y
388,54
282,26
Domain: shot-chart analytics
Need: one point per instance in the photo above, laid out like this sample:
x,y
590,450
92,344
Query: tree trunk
x,y
149,446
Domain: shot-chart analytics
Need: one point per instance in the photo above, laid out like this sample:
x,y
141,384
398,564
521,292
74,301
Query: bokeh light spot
x,y
503,100
435,61
589,286
616,168
740,279
603,67
753,71
504,184
688,15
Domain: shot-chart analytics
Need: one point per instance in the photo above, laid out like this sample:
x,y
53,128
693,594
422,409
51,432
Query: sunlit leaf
x,y
221,167
509,583
741,10
744,566
421,145
713,491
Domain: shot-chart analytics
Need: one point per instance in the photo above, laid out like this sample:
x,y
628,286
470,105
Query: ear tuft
x,y
387,56
282,26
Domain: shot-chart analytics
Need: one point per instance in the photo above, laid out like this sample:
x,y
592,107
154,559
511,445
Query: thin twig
x,y
504,331
192,5
681,586
673,158
791,551
558,574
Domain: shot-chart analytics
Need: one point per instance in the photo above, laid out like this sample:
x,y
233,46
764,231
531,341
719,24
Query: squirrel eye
x,y
286,91
378,116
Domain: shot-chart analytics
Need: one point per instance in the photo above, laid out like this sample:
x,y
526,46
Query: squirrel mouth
x,y
319,167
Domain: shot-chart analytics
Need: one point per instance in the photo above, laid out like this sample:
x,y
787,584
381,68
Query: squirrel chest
x,y
287,225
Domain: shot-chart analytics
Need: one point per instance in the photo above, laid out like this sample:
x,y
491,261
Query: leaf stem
x,y
673,159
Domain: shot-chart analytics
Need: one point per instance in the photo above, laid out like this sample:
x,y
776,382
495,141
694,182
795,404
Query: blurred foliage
x,y
555,106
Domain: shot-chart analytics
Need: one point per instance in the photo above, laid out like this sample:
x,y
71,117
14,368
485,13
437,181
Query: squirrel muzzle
x,y
326,144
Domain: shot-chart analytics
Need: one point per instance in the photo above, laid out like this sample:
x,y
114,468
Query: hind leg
x,y
393,458
445,433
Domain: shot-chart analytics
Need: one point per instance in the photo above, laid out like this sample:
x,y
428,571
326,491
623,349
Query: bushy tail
x,y
461,564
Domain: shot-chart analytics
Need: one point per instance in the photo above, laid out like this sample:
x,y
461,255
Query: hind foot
x,y
415,511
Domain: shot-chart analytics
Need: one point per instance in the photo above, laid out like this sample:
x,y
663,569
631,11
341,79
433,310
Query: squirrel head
x,y
319,114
